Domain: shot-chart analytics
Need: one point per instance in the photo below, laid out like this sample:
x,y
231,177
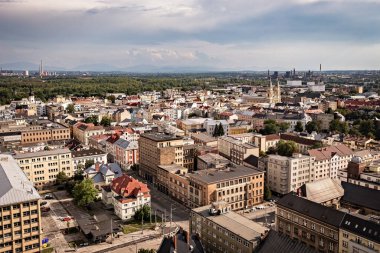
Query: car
x,y
49,196
43,203
67,218
253,209
260,207
247,210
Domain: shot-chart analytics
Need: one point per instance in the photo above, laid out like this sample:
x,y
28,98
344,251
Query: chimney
x,y
97,167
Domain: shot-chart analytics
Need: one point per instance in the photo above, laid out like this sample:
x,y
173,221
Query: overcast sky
x,y
210,34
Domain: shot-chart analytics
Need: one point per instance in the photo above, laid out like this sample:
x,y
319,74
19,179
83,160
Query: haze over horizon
x,y
191,34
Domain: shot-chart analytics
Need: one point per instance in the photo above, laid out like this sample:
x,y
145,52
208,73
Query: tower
x,y
41,69
31,95
270,91
278,92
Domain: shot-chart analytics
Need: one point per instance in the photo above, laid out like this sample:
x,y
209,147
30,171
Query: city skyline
x,y
192,35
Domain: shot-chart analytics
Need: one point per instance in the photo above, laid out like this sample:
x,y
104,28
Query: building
x,y
210,124
211,160
204,139
127,195
158,149
42,167
286,174
236,150
191,125
221,230
21,229
239,186
359,235
311,223
126,153
80,157
302,144
331,162
102,174
82,131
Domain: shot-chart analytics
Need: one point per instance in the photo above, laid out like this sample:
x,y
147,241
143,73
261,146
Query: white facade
x,y
210,125
126,210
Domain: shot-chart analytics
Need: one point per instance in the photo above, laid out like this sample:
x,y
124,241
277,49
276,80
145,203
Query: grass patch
x,y
134,226
47,250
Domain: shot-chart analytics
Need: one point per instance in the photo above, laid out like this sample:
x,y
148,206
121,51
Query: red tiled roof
x,y
328,152
272,137
127,186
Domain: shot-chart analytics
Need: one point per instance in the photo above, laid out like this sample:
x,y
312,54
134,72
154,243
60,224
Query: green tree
x,y
92,119
61,178
84,193
111,98
312,126
106,121
221,130
78,174
286,148
270,127
267,193
271,151
70,108
298,127
338,126
317,145
142,213
367,127
284,126
89,163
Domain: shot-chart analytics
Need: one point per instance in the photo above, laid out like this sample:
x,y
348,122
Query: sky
x,y
191,34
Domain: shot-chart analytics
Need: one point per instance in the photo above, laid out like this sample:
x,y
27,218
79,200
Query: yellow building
x,y
42,167
20,216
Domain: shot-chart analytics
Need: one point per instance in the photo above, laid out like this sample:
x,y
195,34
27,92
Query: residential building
x,y
309,222
239,186
331,162
102,174
158,149
359,235
286,174
221,230
126,153
82,131
211,160
42,167
80,157
302,144
204,139
236,150
20,216
127,195
191,125
210,124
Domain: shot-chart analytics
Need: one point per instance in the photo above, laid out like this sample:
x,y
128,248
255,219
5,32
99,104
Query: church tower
x,y
278,95
270,92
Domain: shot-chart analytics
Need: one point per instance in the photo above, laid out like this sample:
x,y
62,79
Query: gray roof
x,y
361,227
87,152
158,137
42,153
322,190
14,185
360,196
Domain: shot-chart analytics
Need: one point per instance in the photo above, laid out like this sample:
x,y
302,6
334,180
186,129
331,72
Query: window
x,y
345,244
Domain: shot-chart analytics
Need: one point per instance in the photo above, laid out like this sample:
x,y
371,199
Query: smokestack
x,y
320,67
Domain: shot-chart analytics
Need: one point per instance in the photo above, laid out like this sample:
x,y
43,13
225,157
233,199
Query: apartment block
x,y
239,186
311,223
221,230
210,125
80,157
236,150
20,216
286,174
82,131
42,167
126,153
158,149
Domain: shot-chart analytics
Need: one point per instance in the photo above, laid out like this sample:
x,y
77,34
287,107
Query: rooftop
x,y
160,137
235,223
87,152
328,152
14,185
42,153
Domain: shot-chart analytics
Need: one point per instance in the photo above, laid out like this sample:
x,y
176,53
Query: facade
x,y
286,174
311,223
236,150
82,131
127,196
210,125
221,230
42,167
20,215
85,155
126,153
158,149
331,161
204,139
240,187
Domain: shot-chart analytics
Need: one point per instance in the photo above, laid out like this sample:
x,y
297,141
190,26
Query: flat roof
x,y
217,175
42,153
235,223
160,137
87,152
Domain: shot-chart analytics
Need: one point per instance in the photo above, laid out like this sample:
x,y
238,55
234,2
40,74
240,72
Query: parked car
x,y
43,203
49,196
253,209
45,209
67,218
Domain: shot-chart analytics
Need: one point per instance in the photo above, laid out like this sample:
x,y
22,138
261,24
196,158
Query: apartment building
x,y
286,174
221,230
82,131
20,216
191,125
126,153
204,139
173,181
236,150
210,125
331,161
80,157
302,144
239,186
158,149
311,223
359,235
42,167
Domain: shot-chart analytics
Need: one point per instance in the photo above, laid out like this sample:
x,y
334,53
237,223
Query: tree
x,y
92,119
367,127
78,174
61,178
89,163
111,98
317,145
267,193
106,121
298,127
142,213
284,126
286,148
70,108
221,130
147,251
85,193
338,126
312,126
270,127
271,151
216,131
